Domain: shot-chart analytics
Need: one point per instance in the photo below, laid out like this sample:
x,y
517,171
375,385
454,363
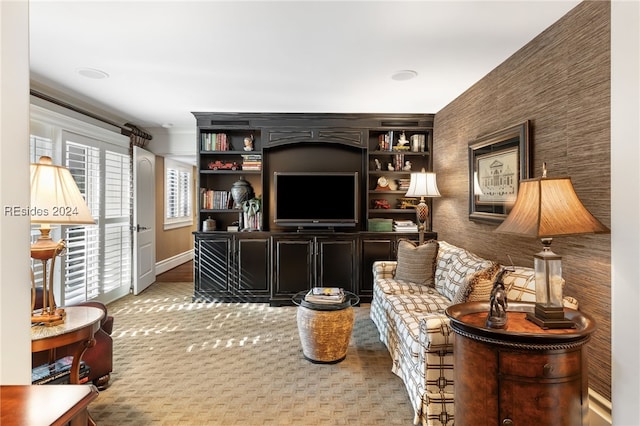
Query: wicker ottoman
x,y
325,330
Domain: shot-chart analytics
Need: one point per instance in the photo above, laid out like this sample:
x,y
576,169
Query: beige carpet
x,y
183,363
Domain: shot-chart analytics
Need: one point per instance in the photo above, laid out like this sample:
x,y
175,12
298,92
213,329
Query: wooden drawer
x,y
544,366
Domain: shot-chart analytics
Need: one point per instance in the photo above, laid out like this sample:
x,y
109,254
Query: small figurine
x,y
407,165
248,143
378,165
497,317
402,140
381,204
390,167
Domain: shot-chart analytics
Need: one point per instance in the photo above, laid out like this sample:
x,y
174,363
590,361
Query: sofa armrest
x,y
384,269
437,338
435,333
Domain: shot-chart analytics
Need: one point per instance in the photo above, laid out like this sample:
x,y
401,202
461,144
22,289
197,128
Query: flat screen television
x,y
316,199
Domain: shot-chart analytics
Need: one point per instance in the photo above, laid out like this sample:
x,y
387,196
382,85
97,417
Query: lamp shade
x,y
55,197
549,207
423,184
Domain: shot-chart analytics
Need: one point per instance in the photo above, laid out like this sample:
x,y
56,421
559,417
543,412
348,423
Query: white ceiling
x,y
166,59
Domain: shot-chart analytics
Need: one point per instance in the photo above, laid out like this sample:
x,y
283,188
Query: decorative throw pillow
x,y
446,253
478,285
465,264
416,264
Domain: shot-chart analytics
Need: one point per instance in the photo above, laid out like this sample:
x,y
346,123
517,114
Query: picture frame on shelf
x,y
497,163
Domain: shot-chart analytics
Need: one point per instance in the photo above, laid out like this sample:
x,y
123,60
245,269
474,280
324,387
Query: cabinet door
x,y
293,268
372,250
213,267
336,263
252,266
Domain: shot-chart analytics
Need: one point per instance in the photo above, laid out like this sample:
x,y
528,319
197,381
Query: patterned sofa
x,y
409,299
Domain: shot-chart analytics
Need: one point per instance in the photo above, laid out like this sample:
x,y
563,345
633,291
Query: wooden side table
x,y
520,375
46,405
80,324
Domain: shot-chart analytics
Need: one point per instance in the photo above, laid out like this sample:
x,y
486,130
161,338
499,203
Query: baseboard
x,y
171,262
599,410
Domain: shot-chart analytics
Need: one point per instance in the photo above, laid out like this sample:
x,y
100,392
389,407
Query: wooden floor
x,y
180,273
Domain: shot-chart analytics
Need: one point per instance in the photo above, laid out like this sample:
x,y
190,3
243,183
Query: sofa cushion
x,y
416,263
478,285
394,286
446,254
465,264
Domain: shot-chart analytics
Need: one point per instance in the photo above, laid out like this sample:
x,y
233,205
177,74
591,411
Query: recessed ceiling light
x,y
92,73
403,75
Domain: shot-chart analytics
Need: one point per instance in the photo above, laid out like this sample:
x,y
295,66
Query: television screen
x,y
316,199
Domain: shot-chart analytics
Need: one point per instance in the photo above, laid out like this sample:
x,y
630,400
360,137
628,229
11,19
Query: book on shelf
x,y
325,295
215,200
215,142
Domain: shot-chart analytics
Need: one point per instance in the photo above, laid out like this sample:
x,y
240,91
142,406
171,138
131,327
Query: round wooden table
x,y
522,374
81,323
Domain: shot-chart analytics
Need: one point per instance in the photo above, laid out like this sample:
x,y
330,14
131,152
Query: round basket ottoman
x,y
325,330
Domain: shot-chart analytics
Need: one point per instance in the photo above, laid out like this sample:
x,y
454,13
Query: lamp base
x,y
49,319
549,317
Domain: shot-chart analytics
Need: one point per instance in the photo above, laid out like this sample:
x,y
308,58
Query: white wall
x,y
176,143
625,211
15,295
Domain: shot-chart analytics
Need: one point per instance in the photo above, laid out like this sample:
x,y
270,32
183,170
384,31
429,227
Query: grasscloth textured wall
x,y
561,82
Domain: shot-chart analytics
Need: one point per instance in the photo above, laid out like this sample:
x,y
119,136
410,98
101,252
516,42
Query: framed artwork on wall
x,y
497,163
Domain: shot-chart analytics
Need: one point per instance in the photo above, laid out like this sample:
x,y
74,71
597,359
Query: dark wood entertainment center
x,y
276,262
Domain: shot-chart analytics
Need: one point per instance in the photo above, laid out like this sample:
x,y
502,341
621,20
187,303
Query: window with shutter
x,y
97,262
178,194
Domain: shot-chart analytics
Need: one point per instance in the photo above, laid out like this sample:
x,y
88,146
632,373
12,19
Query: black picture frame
x,y
497,163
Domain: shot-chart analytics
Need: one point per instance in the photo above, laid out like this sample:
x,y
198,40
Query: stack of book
x,y
251,162
325,295
403,184
58,372
405,226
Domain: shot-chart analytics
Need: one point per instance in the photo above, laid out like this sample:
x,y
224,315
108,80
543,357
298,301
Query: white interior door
x,y
144,220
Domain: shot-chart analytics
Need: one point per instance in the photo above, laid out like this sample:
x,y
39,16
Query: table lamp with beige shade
x,y
55,200
547,208
422,184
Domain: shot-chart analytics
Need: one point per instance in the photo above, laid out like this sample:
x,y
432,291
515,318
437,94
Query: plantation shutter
x,y
185,190
82,262
118,244
173,193
99,256
178,194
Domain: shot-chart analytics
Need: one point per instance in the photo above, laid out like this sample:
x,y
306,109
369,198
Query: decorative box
x,y
380,225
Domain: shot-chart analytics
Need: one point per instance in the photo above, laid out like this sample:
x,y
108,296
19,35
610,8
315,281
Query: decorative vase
x,y
241,191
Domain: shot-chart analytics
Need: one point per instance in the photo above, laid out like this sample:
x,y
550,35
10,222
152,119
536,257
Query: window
x,y
98,259
177,194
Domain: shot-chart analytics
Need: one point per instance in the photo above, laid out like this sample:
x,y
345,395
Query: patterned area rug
x,y
183,363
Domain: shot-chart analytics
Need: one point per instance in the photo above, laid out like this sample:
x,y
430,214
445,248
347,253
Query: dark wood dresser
x,y
520,375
